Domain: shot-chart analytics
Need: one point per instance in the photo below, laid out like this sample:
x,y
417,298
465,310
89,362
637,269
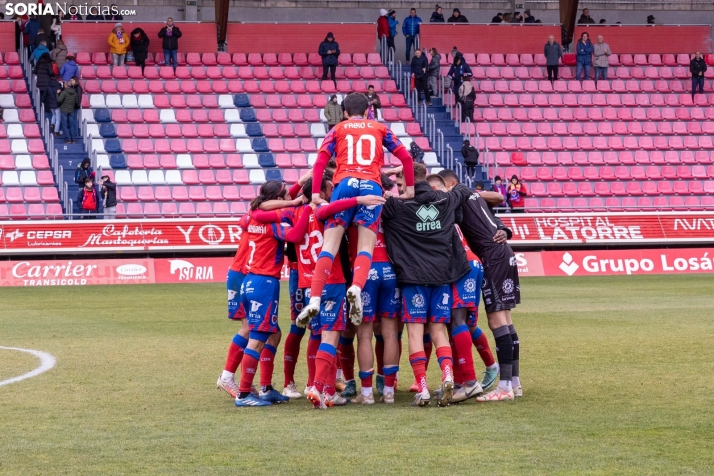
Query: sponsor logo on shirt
x,y
428,214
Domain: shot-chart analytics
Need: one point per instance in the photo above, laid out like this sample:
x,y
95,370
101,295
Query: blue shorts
x,y
467,290
359,215
380,296
293,290
234,280
422,304
260,297
333,310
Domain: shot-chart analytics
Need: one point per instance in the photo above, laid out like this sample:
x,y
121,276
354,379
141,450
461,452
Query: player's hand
x,y
394,171
313,205
302,180
408,193
370,200
316,199
500,237
387,194
296,202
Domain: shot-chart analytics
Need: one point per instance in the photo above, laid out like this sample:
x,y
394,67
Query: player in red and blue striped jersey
x,y
358,146
260,294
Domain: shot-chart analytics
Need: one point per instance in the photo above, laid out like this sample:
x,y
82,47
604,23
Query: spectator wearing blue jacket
x,y
32,27
410,29
393,22
39,51
456,73
69,69
584,50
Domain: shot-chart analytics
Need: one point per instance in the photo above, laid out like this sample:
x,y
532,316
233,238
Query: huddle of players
x,y
411,239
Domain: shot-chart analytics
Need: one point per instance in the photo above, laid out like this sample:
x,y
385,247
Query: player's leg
x,y
414,315
291,350
515,372
226,380
324,358
379,356
389,328
267,366
439,305
389,304
480,341
346,358
463,357
330,247
498,323
366,239
365,360
313,344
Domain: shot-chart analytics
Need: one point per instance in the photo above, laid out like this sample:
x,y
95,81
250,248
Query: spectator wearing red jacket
x,y
88,199
517,192
383,25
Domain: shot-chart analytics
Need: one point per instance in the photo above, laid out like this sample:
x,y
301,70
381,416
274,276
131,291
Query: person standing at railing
x,y
88,199
393,22
457,17
601,52
552,52
118,44
697,67
32,27
170,34
584,50
66,100
50,93
77,104
470,155
467,96
500,187
139,41
434,70
437,16
330,51
421,77
410,29
59,54
517,192
456,73
383,26
109,197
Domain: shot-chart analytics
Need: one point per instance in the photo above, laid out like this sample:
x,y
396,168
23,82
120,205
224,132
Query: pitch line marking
x,y
47,361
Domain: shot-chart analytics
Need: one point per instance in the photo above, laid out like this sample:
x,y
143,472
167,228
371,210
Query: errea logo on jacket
x,y
428,214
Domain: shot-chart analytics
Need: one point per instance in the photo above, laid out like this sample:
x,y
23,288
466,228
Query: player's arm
x,y
398,150
243,222
327,150
296,190
492,198
271,205
293,234
325,211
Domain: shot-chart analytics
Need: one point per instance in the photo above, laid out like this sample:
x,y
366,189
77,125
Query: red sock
x,y
458,370
267,364
347,357
463,354
446,361
291,352
363,262
321,273
482,347
330,386
312,346
248,370
379,353
235,353
428,347
418,363
323,366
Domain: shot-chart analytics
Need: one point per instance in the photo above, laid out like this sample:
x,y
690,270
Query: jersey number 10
x,y
356,151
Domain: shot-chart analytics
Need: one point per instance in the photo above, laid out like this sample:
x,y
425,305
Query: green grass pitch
x,y
617,376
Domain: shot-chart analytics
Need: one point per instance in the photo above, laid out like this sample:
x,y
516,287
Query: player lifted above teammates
x,y
357,144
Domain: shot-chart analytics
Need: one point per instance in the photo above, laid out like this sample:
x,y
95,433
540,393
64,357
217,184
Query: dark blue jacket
x,y
410,27
585,52
51,94
329,59
419,65
31,28
457,72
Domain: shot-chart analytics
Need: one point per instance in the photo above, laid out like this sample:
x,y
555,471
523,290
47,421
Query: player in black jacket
x,y
487,235
428,256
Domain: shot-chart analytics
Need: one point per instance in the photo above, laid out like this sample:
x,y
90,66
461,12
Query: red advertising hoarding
x,y
200,235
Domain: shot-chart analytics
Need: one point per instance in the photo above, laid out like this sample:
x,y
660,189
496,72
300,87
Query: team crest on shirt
x,y
508,286
366,299
373,275
353,182
470,285
418,300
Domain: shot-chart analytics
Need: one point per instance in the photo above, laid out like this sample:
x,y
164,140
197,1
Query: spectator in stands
x,y
585,18
601,52
50,95
480,187
651,20
109,198
374,103
67,15
118,44
88,199
41,38
78,103
517,192
437,16
467,96
457,17
603,21
434,70
697,67
553,52
40,51
383,26
498,18
83,172
112,16
456,73
139,42
420,67
500,187
66,100
333,112
528,18
170,35
470,155
330,52
44,71
584,55
410,29
517,18
69,69
507,17
32,27
94,17
393,22
46,25
56,29
454,52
